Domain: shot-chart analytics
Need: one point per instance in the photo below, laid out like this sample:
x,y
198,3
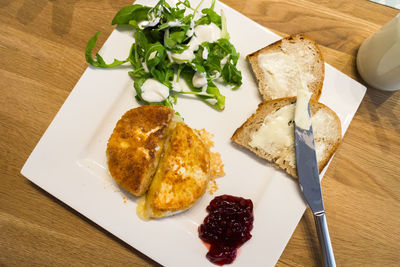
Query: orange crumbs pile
x,y
216,164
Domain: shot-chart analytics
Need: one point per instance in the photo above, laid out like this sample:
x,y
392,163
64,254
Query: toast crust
x,y
318,68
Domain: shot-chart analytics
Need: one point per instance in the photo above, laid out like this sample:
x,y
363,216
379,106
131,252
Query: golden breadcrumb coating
x,y
182,175
135,146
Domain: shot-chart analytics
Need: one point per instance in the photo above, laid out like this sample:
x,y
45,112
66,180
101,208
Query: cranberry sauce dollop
x,y
226,227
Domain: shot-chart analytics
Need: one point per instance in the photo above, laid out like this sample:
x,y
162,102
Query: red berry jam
x,y
226,227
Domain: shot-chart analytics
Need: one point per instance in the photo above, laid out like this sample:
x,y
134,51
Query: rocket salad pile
x,y
173,43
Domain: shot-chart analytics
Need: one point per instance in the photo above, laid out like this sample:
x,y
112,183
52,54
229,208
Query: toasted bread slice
x,y
182,175
283,66
269,133
135,146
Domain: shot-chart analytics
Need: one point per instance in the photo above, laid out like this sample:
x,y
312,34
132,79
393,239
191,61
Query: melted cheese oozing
x,y
141,208
276,132
167,195
154,91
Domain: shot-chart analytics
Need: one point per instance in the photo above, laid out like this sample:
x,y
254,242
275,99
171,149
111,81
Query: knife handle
x,y
324,239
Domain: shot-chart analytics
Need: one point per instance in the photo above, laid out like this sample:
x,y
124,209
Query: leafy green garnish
x,y
224,33
131,13
210,17
164,32
99,61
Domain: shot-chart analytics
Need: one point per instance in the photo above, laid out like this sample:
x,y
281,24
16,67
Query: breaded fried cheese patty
x,y
181,177
135,146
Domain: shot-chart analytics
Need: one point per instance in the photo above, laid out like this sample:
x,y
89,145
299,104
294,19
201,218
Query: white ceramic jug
x,y
378,59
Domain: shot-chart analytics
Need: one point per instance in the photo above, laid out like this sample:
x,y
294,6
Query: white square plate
x,y
70,163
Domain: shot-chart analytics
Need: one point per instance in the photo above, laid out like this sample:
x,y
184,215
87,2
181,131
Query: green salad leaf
x,y
210,17
98,61
164,35
131,13
224,28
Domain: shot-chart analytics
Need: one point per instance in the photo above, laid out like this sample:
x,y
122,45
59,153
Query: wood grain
x,y
41,47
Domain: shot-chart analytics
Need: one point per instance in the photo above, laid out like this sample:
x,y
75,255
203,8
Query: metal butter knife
x,y
307,171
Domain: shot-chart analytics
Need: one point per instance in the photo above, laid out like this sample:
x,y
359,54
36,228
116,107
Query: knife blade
x,y
308,175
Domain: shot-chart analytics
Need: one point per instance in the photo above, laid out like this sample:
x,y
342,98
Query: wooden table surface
x,y
41,47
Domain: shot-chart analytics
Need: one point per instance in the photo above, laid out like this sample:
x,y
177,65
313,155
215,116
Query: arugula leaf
x,y
169,42
133,57
219,51
174,14
212,4
138,73
187,74
229,49
99,61
141,40
174,41
224,32
232,75
157,52
213,62
210,17
150,54
212,91
126,14
186,3
158,65
134,23
178,36
138,88
169,103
